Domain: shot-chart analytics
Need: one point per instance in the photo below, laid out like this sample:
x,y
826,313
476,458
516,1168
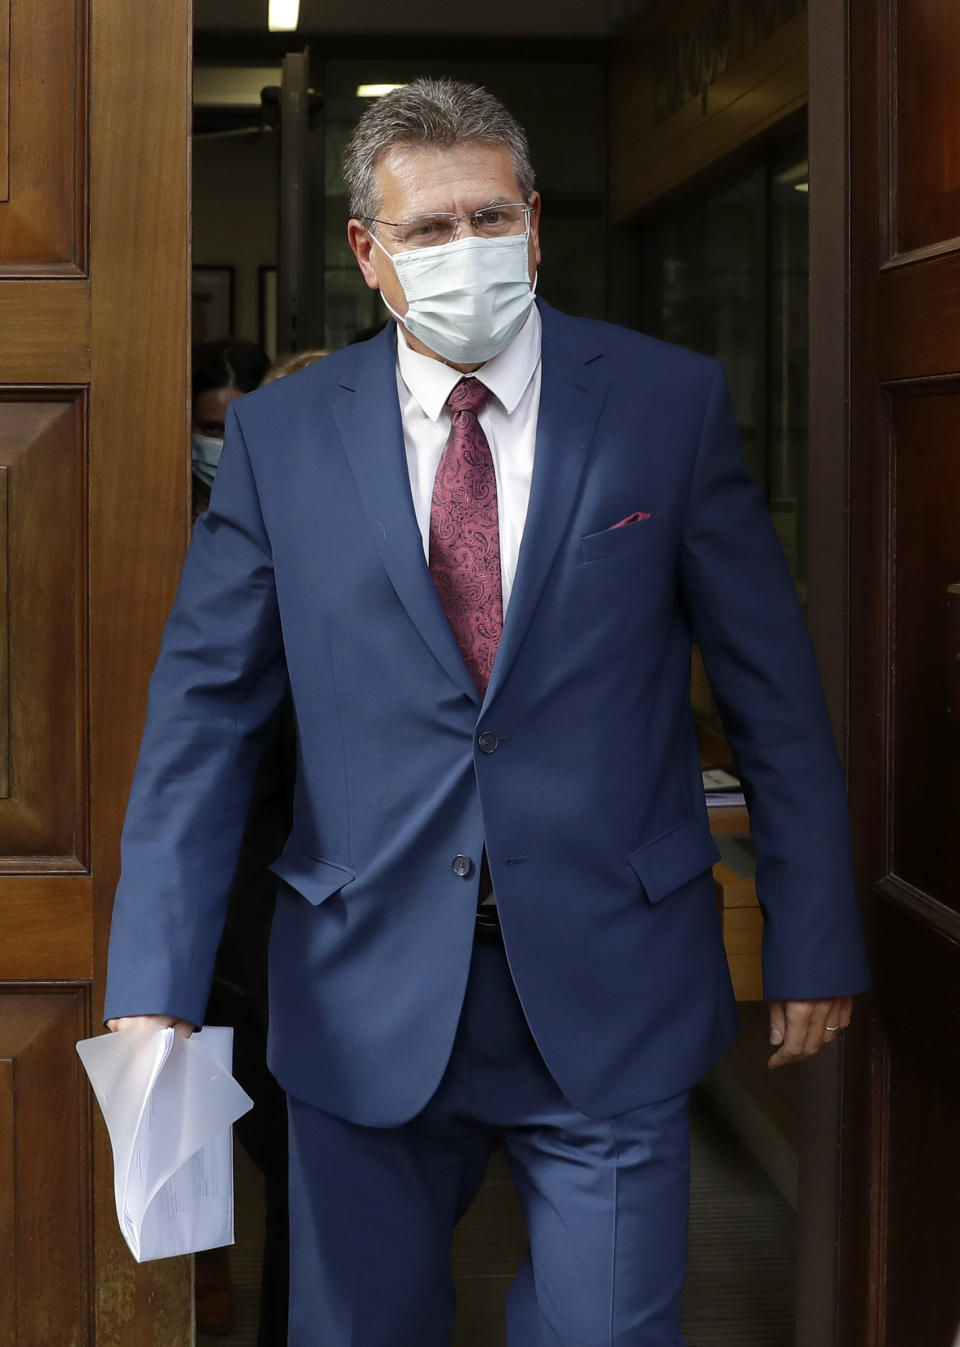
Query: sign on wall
x,y
688,90
686,63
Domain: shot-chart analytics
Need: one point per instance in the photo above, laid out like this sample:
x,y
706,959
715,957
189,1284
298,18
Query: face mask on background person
x,y
206,453
468,299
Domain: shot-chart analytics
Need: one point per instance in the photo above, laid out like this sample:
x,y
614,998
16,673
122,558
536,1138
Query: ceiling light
x,y
377,90
284,16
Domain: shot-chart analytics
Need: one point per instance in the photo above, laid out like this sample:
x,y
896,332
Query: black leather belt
x,y
487,928
488,918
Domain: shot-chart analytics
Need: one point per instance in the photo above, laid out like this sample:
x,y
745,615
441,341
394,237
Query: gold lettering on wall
x,y
4,100
689,88
687,62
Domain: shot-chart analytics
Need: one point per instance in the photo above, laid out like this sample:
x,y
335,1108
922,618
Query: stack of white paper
x,y
169,1104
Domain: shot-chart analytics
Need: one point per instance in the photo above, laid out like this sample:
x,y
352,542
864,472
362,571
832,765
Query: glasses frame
x,y
456,221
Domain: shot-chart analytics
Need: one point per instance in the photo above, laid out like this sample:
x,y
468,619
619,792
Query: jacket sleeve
x,y
218,679
762,669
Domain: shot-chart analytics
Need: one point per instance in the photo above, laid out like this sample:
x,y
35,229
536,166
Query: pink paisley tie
x,y
465,534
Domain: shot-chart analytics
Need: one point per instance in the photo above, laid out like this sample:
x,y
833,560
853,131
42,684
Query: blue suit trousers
x,y
606,1201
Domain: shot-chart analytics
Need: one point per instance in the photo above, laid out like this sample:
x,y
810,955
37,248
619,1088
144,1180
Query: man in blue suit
x,y
478,548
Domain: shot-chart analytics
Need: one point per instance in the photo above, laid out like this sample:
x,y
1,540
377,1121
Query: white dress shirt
x,y
509,421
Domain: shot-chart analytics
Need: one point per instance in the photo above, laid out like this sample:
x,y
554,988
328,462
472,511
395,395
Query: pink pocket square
x,y
632,519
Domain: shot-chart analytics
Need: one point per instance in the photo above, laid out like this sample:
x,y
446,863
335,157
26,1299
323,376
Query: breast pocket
x,y
613,542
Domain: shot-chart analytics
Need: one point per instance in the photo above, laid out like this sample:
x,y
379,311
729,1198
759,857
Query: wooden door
x,y
94,477
900,1239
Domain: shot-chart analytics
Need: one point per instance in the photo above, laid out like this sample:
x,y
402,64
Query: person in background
x,y
222,372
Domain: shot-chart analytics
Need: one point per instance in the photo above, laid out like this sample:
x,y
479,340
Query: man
x,y
478,546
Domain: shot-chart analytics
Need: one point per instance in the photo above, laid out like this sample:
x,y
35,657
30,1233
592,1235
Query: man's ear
x,y
535,227
362,247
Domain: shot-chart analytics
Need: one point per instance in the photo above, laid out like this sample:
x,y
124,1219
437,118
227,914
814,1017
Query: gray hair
x,y
438,113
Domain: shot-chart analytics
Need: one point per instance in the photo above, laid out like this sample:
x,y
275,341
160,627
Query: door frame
x,y
139,508
827,1115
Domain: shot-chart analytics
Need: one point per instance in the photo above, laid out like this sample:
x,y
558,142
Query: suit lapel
x,y
572,392
368,419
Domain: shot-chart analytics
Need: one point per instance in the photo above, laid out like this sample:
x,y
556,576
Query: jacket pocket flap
x,y
315,879
674,858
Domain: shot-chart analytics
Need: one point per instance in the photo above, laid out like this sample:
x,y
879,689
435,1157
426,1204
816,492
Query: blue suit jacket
x,y
310,566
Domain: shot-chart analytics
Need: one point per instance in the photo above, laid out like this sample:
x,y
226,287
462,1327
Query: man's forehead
x,y
415,178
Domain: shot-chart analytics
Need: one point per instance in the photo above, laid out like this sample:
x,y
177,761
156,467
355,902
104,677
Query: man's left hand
x,y
799,1029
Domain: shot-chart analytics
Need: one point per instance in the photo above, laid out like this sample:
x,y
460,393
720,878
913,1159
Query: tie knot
x,y
469,395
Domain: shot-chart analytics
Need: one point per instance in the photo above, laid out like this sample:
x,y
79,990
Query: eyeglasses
x,y
427,231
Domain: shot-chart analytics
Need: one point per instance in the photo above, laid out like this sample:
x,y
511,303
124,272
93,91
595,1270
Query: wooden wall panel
x,y
43,1286
4,99
927,161
926,562
43,819
42,224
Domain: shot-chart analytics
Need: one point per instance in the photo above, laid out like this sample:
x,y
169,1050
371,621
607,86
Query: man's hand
x,y
798,1029
182,1028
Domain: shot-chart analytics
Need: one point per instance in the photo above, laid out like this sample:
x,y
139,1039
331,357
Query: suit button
x,y
462,866
488,743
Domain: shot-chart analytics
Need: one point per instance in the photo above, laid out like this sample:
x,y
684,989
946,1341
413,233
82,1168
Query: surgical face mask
x,y
206,457
468,299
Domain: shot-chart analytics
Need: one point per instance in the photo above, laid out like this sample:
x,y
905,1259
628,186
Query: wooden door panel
x,y
900,1243
94,514
4,99
4,635
923,1289
46,924
42,210
8,1188
43,810
44,331
43,1230
926,55
915,943
917,334
926,793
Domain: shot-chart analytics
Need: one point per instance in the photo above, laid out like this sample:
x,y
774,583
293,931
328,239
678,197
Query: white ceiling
x,y
509,18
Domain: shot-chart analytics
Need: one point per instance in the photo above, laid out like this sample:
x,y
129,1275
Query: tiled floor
x,y
741,1274
246,1254
740,1285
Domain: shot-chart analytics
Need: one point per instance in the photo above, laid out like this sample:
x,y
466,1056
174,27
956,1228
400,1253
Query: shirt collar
x,y
507,375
